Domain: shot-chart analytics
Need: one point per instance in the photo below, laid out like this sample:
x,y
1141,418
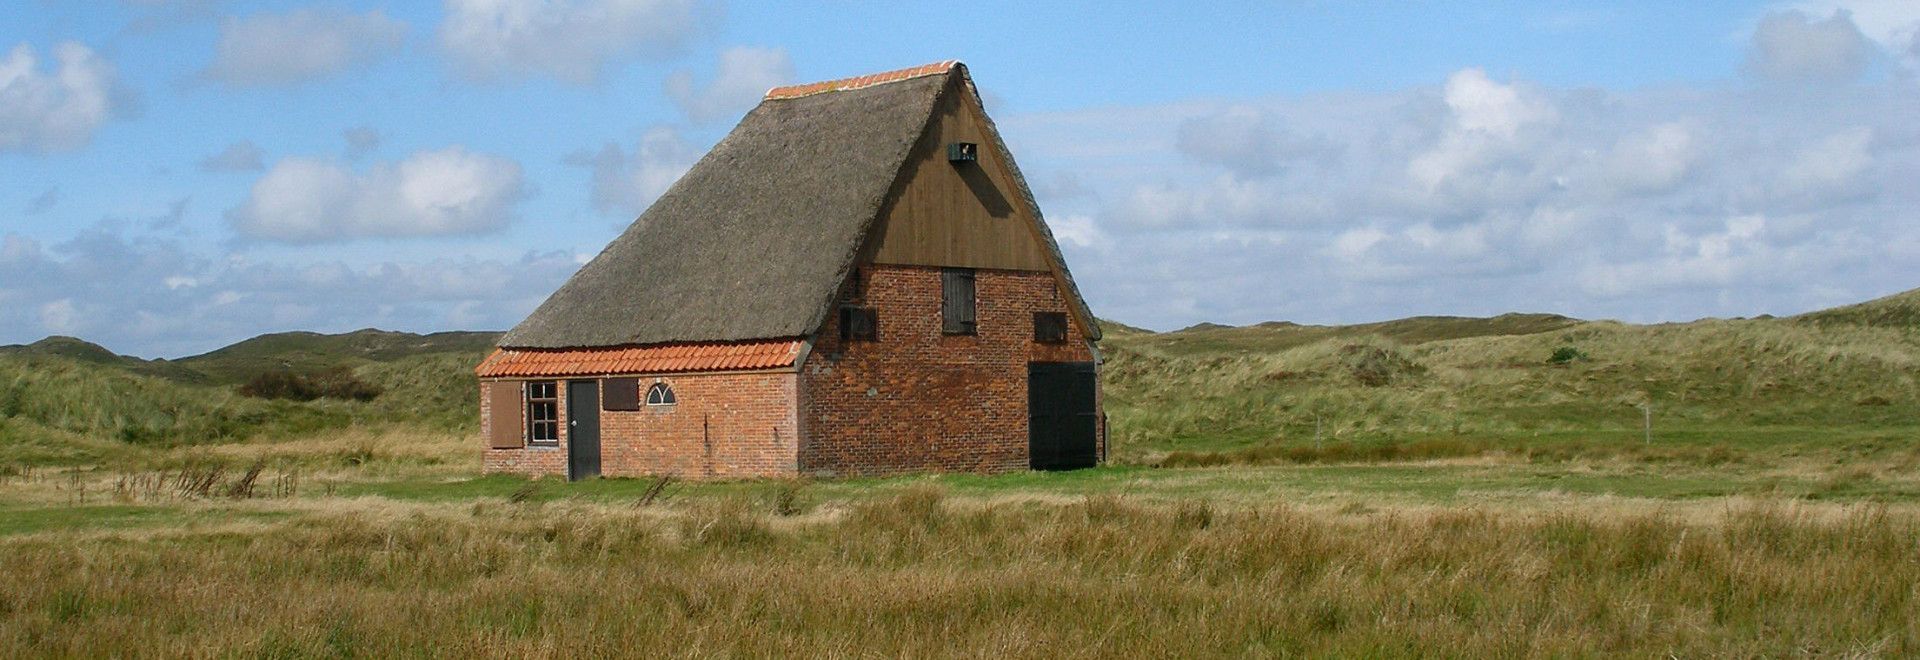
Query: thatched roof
x,y
756,239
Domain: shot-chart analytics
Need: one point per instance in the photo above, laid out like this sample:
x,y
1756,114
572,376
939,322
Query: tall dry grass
x,y
918,575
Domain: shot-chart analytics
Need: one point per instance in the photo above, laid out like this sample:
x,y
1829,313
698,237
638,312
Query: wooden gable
x,y
967,214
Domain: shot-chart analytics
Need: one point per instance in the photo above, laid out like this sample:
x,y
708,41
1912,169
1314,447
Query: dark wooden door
x,y
583,429
1061,426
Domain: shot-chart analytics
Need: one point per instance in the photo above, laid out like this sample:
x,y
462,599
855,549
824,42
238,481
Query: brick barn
x,y
855,281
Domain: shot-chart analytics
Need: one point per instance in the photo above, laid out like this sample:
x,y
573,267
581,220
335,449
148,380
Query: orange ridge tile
x,y
858,82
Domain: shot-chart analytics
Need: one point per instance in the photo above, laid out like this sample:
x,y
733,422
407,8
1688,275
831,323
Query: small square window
x,y
859,324
1050,327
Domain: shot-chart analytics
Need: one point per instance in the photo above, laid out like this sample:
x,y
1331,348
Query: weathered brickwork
x,y
722,426
532,459
921,400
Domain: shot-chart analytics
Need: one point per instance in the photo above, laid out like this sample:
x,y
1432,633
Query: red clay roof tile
x,y
671,358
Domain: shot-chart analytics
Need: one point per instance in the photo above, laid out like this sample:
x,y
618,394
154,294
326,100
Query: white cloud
x,y
1248,143
572,40
154,297
1485,125
744,76
301,46
1237,138
1833,165
1654,159
242,156
56,110
59,317
1079,230
1482,106
1894,24
1482,196
431,193
1355,243
1792,46
626,183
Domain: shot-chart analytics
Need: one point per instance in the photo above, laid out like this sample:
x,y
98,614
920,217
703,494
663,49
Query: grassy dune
x,y
1430,486
1748,385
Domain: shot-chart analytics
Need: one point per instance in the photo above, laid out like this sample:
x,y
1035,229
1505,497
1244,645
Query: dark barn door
x,y
1060,415
583,429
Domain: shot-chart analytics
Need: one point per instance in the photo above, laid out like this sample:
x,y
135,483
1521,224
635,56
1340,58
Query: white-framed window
x,y
543,412
660,394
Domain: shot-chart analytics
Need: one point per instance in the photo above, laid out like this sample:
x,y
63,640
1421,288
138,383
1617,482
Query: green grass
x,y
1426,486
107,517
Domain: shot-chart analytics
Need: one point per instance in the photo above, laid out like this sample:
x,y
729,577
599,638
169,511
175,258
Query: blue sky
x,y
178,175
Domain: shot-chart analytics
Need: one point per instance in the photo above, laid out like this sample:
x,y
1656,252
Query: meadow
x,y
1434,486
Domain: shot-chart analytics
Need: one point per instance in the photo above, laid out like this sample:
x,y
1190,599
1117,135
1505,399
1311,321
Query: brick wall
x,y
722,425
531,459
920,400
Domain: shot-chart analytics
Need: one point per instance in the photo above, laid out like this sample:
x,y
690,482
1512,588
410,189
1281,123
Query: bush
x,y
337,383
1566,354
1376,366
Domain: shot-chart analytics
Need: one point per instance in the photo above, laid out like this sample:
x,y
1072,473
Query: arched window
x,y
660,395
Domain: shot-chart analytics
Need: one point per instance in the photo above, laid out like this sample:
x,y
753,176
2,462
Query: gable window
x,y
543,412
859,324
660,395
1050,327
956,302
620,394
857,286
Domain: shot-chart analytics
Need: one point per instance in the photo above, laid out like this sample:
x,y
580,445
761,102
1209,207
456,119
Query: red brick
x,y
916,400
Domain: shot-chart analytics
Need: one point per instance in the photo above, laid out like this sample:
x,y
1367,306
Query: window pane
x,y
660,395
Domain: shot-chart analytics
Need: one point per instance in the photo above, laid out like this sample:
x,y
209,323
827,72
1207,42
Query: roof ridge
x,y
860,82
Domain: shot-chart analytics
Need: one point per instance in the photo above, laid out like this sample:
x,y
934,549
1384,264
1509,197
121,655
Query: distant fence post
x,y
1646,424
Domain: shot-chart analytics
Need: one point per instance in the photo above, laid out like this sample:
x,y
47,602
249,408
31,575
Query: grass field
x,y
1434,486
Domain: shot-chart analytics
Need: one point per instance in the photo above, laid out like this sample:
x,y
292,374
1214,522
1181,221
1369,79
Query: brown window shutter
x,y
620,394
956,301
505,428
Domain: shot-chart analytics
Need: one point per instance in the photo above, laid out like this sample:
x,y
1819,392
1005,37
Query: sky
x,y
177,175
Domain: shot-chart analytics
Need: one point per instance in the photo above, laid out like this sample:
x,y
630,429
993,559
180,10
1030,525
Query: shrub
x,y
1376,366
1566,354
336,383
